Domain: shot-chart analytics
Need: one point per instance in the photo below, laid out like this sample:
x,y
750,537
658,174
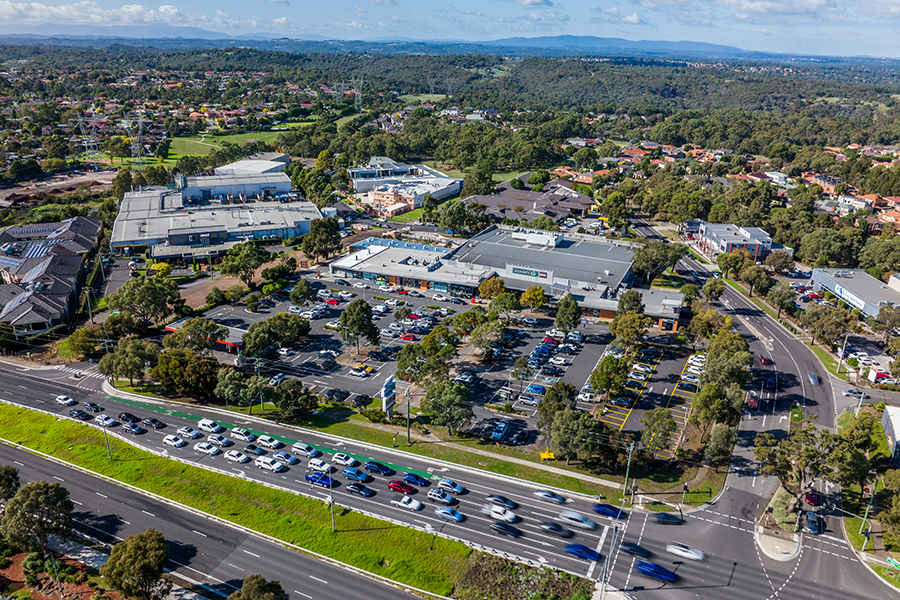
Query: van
x,y
304,450
813,378
209,426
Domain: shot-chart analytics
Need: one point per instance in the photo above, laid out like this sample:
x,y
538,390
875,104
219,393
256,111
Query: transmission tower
x,y
449,82
134,127
357,87
87,127
431,83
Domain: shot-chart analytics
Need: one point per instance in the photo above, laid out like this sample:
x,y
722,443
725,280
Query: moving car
x,y
685,551
556,529
608,510
77,413
133,428
285,458
209,426
376,467
549,496
406,502
656,571
206,448
218,440
501,501
65,400
105,421
154,423
447,513
582,551
505,529
236,456
853,393
302,449
269,464
343,459
665,518
576,519
174,440
448,485
436,495
399,486
634,549
360,489
415,479
317,464
355,474
320,479
813,523
127,417
92,406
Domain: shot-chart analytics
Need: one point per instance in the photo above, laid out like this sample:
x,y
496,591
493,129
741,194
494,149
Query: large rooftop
x,y
858,282
412,261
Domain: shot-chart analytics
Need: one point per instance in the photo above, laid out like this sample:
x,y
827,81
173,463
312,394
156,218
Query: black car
x,y
634,549
358,488
127,417
77,413
254,449
328,365
458,301
92,406
154,423
340,395
665,518
376,355
693,388
376,467
552,371
501,501
505,529
519,438
361,400
342,282
556,529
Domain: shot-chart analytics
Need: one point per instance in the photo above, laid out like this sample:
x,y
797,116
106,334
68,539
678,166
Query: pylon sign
x,y
387,397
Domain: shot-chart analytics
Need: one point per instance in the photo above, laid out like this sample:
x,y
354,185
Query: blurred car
x,y
665,518
765,360
549,496
608,510
556,529
685,551
415,479
499,513
92,406
656,571
254,450
576,519
105,421
502,501
505,529
360,490
853,393
448,514
582,551
634,549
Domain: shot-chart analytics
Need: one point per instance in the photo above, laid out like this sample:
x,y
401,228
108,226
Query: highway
x,y
202,550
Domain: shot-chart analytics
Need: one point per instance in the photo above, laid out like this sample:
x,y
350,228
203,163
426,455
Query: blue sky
x,y
834,27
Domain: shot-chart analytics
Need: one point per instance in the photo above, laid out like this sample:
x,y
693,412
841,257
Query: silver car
x,y
576,519
685,551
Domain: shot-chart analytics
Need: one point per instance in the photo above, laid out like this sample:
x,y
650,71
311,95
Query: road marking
x,y
101,495
58,478
148,513
251,553
77,502
199,533
23,387
317,579
18,463
599,545
126,522
236,567
302,594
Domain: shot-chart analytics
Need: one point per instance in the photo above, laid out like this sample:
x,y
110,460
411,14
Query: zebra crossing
x,y
80,373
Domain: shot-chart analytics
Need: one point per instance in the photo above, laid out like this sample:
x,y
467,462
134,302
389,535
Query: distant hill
x,y
598,44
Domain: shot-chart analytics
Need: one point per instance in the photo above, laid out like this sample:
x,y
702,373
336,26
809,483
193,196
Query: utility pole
x,y
604,574
843,351
408,439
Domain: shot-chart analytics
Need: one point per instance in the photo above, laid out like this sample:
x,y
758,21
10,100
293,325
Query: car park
x,y
209,426
105,421
285,458
640,368
269,464
576,519
406,502
127,417
65,400
206,448
665,518
656,571
690,378
504,528
582,551
637,376
242,434
360,490
77,413
320,479
133,429
376,467
685,551
236,456
317,464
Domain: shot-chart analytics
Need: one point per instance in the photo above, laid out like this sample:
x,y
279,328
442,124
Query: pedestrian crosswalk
x,y
81,373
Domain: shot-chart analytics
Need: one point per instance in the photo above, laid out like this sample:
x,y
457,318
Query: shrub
x,y
375,415
34,563
31,580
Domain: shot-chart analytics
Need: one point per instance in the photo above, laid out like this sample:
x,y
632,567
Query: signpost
x,y
387,397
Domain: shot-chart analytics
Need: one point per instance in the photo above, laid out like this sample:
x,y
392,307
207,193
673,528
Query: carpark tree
x,y
147,298
630,301
423,367
235,292
186,372
486,334
757,278
728,360
691,292
9,482
575,434
610,375
464,322
630,328
568,313
260,339
215,296
535,297
440,342
323,239
504,304
256,587
197,334
490,288
242,261
559,396
780,260
886,322
781,296
713,289
448,404
37,512
130,359
302,293
717,403
289,329
521,371
293,399
721,441
238,389
401,313
655,257
706,320
658,428
137,565
356,322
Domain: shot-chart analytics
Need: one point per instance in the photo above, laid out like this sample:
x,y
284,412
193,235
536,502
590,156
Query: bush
x,y
31,580
34,563
375,415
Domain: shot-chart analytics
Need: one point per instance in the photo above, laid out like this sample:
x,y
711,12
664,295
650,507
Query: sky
x,y
824,27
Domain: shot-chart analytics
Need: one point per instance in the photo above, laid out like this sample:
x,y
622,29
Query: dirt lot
x,y
60,184
12,578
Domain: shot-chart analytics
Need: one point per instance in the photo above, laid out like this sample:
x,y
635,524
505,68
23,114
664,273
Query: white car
x,y
344,460
555,333
317,464
218,440
549,496
65,400
585,397
395,327
465,377
439,297
393,303
189,432
267,441
269,464
284,352
380,308
698,371
105,421
407,502
346,295
209,426
360,286
690,378
276,379
308,314
333,324
637,376
174,440
206,448
239,433
499,513
558,360
696,363
685,551
304,450
866,361
236,456
296,310
852,392
576,519
642,368
388,333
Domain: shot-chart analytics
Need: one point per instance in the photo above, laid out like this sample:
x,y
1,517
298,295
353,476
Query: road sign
x,y
893,563
387,397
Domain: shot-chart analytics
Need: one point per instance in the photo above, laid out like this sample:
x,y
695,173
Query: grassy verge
x,y
698,258
669,279
415,558
796,413
829,362
784,519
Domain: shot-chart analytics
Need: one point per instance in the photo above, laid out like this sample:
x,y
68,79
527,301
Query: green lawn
x,y
830,362
202,145
415,558
669,279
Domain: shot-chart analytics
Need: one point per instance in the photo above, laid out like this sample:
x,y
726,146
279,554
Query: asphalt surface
x,y
200,549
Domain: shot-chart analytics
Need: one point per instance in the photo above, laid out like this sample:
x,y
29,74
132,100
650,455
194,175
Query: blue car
x,y
609,510
355,474
285,458
376,467
536,389
582,551
316,478
656,572
415,479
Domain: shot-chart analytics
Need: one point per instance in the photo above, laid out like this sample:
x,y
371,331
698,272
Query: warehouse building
x,y
890,422
858,289
389,188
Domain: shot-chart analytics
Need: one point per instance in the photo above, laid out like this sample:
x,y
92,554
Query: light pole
x,y
106,439
843,351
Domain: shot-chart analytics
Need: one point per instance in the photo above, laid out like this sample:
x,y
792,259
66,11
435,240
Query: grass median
x,y
414,558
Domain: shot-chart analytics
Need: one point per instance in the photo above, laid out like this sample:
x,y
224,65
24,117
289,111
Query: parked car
x,y
320,479
376,467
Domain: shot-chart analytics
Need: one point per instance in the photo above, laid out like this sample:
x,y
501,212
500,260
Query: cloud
x,y
285,2
384,2
535,2
882,8
611,14
769,7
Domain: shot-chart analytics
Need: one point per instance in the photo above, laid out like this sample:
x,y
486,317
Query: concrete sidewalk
x,y
96,559
776,544
109,389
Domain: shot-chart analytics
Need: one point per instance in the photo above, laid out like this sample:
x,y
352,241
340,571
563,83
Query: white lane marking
x,y
101,495
317,579
236,567
251,553
126,522
77,502
199,533
302,594
58,478
148,513
599,545
18,463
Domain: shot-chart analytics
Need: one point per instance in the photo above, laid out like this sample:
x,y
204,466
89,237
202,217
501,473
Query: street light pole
x,y
843,351
106,438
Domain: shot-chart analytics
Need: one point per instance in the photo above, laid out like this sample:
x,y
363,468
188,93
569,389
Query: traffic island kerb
x,y
777,544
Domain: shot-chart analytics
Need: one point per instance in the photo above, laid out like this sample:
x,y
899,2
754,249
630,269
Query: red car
x,y
813,296
408,337
401,291
399,486
765,360
333,301
553,341
413,316
812,497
